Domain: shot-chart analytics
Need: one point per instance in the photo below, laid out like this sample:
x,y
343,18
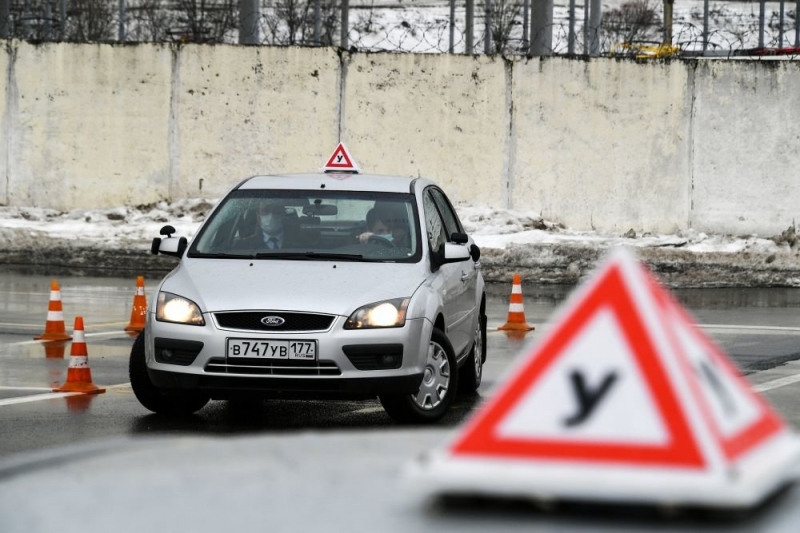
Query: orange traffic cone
x,y
54,329
79,376
54,350
139,310
516,311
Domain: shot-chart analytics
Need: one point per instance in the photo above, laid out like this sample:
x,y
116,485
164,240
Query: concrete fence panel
x,y
602,144
89,124
444,117
6,128
241,111
746,170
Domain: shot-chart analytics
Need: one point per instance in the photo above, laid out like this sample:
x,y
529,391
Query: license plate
x,y
272,349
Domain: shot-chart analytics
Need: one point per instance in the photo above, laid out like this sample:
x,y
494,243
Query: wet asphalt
x,y
758,328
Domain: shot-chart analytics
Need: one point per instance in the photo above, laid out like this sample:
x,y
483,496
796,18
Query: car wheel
x,y
437,390
469,376
172,403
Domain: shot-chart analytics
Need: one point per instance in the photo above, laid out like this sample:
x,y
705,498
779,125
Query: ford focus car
x,y
318,285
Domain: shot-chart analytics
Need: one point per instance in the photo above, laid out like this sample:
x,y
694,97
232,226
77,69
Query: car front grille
x,y
251,321
271,367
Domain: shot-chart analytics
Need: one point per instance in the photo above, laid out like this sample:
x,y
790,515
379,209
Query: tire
x,y
171,403
471,373
429,404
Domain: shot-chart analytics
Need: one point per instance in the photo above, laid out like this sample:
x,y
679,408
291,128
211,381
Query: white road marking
x,y
48,396
365,410
98,334
777,383
37,398
94,326
750,328
704,326
26,388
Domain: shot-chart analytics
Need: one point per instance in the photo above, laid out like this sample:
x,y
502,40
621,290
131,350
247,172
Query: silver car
x,y
318,285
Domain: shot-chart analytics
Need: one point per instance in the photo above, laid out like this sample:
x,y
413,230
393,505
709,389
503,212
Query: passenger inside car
x,y
273,232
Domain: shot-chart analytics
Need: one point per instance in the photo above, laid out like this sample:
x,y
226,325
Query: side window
x,y
451,222
436,229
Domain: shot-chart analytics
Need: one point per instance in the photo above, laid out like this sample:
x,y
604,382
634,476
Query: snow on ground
x,y
490,228
111,241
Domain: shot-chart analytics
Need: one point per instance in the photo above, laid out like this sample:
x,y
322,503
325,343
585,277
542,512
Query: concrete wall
x,y
243,111
88,125
602,144
414,114
746,149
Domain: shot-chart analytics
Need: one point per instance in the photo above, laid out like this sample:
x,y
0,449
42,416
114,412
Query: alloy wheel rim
x,y
477,359
435,380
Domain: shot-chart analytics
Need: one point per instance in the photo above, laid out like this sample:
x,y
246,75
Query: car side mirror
x,y
459,238
174,246
455,253
448,253
475,252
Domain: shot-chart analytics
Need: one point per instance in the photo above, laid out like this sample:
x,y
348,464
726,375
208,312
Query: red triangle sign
x,y
580,392
739,418
622,400
340,161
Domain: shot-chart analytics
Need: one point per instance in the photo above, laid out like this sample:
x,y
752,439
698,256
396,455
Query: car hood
x,y
313,286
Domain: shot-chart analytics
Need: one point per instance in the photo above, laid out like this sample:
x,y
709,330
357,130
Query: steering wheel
x,y
376,239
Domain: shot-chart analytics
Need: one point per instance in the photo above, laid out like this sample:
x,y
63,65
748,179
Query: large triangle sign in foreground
x,y
623,400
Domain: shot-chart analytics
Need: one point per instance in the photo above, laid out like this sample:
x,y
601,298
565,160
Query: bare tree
x,y
330,15
205,21
91,20
505,22
149,20
631,22
292,22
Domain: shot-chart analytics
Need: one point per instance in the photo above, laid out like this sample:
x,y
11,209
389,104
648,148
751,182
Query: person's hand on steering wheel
x,y
377,239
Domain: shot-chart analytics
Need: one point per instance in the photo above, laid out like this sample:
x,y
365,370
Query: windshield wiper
x,y
310,255
224,255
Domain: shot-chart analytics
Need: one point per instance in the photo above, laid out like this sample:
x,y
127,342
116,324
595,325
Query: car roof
x,y
336,182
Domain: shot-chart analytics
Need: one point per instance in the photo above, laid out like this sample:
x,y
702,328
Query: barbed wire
x,y
628,27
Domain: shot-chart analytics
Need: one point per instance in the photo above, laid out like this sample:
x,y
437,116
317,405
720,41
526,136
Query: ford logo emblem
x,y
272,321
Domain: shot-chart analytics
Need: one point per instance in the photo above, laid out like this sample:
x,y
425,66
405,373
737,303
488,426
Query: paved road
x,y
759,328
71,462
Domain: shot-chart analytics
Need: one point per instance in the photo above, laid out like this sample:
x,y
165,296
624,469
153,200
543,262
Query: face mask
x,y
388,236
271,223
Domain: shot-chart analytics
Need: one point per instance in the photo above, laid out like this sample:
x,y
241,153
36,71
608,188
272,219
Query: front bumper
x,y
332,374
294,387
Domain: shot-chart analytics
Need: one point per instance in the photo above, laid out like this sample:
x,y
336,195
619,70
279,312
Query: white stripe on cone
x,y
55,316
516,289
78,361
55,295
77,336
139,291
516,308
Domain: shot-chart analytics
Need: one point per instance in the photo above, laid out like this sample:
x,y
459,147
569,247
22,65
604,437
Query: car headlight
x,y
386,314
174,308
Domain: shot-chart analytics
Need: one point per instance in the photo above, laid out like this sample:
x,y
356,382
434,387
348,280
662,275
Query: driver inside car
x,y
377,226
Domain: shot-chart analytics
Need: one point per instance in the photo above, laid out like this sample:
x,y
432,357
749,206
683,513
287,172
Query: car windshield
x,y
312,226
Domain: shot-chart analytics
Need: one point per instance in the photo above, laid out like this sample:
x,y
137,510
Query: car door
x,y
468,273
452,288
